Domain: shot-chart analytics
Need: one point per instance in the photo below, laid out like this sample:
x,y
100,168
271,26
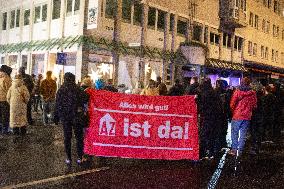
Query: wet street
x,y
37,161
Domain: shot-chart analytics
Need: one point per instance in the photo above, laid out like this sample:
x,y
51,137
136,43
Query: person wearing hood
x,y
28,82
5,84
243,102
18,97
70,100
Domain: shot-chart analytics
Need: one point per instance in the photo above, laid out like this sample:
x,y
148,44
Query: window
x,y
214,38
273,55
276,7
282,58
73,6
250,48
56,8
18,18
269,4
266,53
262,52
227,40
182,26
263,25
172,22
236,43
206,34
256,21
282,34
110,8
152,17
4,21
251,19
277,31
254,49
44,12
138,11
126,10
12,19
27,15
40,13
268,27
240,43
197,31
161,20
276,57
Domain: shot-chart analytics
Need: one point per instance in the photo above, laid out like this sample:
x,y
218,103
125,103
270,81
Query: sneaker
x,y
79,161
67,161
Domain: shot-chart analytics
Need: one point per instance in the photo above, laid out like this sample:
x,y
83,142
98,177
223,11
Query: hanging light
x,y
95,75
104,69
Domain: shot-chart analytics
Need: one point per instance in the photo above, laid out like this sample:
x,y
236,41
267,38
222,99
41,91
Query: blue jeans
x,y
238,141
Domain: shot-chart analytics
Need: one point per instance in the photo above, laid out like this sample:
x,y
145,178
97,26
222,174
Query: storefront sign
x,y
93,14
146,127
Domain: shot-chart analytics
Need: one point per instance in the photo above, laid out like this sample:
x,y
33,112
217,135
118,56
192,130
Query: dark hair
x,y
69,77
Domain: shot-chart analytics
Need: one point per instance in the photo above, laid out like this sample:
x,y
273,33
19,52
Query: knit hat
x,y
6,69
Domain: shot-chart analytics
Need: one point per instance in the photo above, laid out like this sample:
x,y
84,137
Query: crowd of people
x,y
251,107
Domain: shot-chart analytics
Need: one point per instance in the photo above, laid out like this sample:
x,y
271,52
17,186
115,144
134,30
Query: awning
x,y
221,64
260,67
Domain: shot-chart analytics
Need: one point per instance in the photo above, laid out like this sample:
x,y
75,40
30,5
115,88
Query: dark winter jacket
x,y
269,105
176,90
28,81
70,100
192,89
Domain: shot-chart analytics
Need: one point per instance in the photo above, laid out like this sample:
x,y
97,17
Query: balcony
x,y
232,15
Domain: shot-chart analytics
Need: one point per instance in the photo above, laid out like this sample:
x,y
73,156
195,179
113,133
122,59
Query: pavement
x,y
37,161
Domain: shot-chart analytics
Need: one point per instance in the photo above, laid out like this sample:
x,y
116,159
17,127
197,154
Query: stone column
x,y
173,46
116,38
233,46
221,45
143,42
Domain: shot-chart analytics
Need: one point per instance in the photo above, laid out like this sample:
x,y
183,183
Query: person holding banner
x,y
151,89
70,100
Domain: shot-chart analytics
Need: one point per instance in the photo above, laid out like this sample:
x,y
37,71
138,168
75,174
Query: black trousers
x,y
68,126
4,116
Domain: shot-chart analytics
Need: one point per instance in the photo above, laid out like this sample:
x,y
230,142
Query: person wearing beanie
x,y
243,102
70,100
5,84
28,82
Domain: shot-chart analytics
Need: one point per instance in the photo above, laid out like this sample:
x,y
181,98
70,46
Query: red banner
x,y
146,127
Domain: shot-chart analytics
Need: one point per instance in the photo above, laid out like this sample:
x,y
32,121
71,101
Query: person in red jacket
x,y
242,104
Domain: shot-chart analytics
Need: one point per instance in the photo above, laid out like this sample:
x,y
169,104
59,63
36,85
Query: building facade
x,y
218,38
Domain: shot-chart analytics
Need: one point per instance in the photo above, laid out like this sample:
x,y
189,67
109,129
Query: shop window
x,y
254,49
161,20
73,7
206,34
197,31
40,13
12,19
27,15
250,48
182,26
56,8
138,11
256,21
126,10
4,21
251,19
151,17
